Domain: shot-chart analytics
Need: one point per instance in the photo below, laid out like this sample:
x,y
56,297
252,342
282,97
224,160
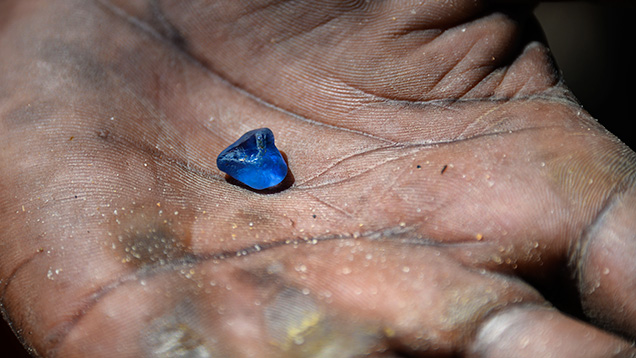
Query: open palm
x,y
441,171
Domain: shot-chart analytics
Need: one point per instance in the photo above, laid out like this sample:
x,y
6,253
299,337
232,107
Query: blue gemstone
x,y
254,160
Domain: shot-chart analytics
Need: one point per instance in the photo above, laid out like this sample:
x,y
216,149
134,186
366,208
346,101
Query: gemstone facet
x,y
254,160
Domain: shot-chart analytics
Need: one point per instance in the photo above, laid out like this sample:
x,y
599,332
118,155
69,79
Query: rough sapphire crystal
x,y
254,160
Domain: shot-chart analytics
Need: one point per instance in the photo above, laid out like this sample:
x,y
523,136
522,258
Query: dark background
x,y
592,46
590,43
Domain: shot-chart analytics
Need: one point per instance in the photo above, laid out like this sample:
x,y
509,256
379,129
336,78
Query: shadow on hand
x,y
11,347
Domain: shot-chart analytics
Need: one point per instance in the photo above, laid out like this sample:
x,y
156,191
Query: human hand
x,y
441,171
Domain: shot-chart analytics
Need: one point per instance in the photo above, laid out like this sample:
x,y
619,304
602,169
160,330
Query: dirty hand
x,y
448,192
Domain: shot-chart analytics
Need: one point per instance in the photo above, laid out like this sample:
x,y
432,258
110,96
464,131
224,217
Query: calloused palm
x,y
439,166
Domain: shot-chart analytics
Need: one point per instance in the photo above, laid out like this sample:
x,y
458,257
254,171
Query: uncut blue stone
x,y
254,160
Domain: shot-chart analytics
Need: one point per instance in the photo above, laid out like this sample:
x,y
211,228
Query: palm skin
x,y
439,167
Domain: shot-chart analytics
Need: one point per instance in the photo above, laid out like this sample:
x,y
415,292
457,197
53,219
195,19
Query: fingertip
x,y
535,331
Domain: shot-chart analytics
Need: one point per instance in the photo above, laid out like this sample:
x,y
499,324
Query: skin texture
x,y
443,177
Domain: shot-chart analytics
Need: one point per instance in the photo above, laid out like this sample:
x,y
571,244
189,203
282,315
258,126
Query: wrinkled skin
x,y
441,176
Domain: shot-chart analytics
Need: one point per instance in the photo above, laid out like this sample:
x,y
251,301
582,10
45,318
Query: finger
x,y
354,296
604,260
354,74
529,331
